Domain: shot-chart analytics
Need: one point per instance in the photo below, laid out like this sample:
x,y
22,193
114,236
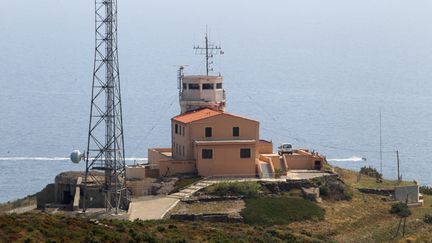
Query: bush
x,y
246,188
427,219
427,190
279,172
269,211
401,209
370,171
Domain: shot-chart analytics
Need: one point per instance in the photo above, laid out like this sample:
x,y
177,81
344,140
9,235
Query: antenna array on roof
x,y
209,50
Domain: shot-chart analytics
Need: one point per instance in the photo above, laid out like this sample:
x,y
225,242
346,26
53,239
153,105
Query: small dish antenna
x,y
76,156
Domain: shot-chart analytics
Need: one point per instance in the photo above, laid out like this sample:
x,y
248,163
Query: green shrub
x,y
401,209
246,188
427,190
279,172
370,171
427,219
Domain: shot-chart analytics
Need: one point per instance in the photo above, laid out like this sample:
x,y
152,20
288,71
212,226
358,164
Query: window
x,y
245,153
183,150
208,86
176,128
219,86
194,86
183,131
208,132
207,153
184,86
236,131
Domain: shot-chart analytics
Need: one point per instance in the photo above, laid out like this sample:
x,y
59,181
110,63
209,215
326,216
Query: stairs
x,y
188,191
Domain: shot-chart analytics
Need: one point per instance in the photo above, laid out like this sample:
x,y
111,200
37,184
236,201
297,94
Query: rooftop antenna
x,y
209,50
105,145
180,74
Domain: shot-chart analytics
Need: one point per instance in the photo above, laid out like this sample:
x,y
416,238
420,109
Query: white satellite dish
x,y
76,156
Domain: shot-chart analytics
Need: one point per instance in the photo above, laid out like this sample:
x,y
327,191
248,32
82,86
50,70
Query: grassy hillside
x,y
364,218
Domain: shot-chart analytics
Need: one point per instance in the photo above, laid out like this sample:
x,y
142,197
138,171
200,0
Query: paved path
x,y
22,209
147,208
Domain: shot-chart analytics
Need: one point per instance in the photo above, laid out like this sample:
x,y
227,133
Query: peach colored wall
x,y
154,155
273,159
173,167
182,140
265,147
226,161
302,161
221,125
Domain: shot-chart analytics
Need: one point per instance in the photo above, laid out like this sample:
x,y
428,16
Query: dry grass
x,y
353,179
232,207
366,218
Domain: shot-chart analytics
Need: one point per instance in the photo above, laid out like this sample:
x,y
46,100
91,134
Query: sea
x,y
316,74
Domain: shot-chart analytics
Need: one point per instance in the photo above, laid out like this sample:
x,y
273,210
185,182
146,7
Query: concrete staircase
x,y
188,191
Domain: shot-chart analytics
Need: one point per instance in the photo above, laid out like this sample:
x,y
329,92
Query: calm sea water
x,y
315,73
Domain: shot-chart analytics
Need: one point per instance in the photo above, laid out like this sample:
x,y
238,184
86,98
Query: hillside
x,y
364,218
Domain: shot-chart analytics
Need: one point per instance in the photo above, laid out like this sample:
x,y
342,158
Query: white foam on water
x,y
350,159
52,158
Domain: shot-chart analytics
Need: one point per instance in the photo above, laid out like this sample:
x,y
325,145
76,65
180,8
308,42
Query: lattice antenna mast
x,y
209,50
105,149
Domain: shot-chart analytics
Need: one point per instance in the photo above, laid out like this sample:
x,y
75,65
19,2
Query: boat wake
x,y
350,159
54,159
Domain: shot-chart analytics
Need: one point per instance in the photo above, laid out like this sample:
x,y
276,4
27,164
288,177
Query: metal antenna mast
x,y
209,51
105,148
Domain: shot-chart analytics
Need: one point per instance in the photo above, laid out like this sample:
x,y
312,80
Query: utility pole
x,y
397,157
380,133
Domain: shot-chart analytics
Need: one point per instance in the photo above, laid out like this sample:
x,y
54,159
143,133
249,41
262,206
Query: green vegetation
x,y
427,218
279,172
185,182
372,172
61,228
401,209
244,188
426,190
280,210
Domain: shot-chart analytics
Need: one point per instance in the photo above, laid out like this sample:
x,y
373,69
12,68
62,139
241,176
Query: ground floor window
x,y
245,153
207,153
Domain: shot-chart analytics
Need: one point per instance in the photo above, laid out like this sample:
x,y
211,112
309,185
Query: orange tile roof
x,y
196,115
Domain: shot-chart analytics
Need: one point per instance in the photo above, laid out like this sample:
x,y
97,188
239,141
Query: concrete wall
x,y
175,167
45,196
192,99
265,147
226,160
410,192
303,160
135,172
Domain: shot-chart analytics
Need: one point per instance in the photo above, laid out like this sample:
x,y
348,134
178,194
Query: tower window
x,y
208,86
194,86
208,132
219,86
207,153
245,153
184,86
236,131
176,128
